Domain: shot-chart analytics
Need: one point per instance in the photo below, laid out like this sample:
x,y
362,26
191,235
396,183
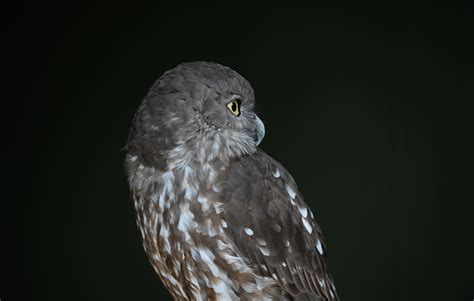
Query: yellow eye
x,y
234,107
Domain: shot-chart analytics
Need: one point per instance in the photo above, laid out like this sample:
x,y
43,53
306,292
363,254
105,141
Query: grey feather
x,y
219,218
256,199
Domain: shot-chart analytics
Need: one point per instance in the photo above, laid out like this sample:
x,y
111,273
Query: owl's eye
x,y
234,107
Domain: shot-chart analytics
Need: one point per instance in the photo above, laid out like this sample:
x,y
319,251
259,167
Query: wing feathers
x,y
285,238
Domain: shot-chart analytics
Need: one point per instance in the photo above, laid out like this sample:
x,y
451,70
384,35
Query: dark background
x,y
369,107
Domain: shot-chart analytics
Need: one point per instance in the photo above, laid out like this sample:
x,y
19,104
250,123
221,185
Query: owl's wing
x,y
270,224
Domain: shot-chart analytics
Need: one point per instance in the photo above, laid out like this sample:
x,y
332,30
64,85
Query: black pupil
x,y
234,106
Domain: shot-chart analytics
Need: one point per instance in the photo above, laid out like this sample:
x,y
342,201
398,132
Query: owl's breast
x,y
179,216
184,232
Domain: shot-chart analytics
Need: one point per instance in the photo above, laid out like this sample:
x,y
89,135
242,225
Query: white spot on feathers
x,y
189,192
264,251
223,223
195,254
290,191
319,247
214,150
248,231
162,200
207,257
231,259
204,203
206,254
224,290
304,211
221,245
186,220
276,174
263,282
249,287
218,207
168,179
196,292
307,225
321,283
211,231
164,232
187,186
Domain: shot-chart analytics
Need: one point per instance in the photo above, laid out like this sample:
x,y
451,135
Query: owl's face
x,y
229,111
201,109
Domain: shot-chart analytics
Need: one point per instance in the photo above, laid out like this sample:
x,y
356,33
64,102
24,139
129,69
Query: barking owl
x,y
219,218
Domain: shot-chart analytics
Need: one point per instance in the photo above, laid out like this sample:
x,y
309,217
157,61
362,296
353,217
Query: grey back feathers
x,y
219,218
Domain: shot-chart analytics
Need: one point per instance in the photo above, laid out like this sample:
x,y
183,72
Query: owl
x,y
219,218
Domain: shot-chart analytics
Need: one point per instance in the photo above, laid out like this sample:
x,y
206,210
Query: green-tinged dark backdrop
x,y
369,107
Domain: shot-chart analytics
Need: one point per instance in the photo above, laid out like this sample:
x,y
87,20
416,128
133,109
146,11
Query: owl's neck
x,y
183,172
194,161
208,147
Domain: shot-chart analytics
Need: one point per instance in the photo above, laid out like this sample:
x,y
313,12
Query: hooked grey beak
x,y
259,130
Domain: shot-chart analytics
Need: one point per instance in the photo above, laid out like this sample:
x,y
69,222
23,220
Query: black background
x,y
369,107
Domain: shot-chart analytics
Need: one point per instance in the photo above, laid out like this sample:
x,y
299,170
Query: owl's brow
x,y
235,95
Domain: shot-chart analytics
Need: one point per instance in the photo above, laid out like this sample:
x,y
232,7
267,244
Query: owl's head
x,y
196,111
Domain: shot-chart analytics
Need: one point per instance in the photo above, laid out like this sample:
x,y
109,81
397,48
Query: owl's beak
x,y
259,130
